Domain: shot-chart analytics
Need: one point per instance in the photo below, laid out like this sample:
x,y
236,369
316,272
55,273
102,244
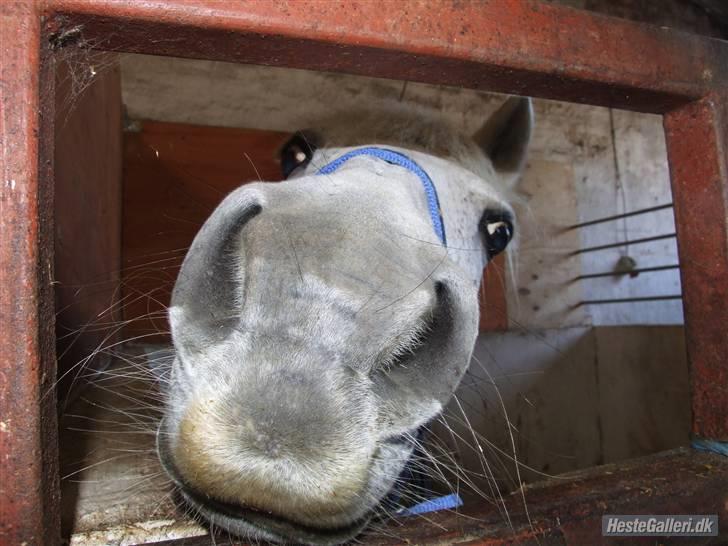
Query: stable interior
x,y
147,146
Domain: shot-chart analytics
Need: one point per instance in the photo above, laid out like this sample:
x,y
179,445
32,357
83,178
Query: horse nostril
x,y
202,307
441,291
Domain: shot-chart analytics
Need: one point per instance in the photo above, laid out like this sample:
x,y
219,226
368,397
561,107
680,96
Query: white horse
x,y
320,322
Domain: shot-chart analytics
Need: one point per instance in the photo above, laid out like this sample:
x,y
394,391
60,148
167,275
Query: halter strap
x,y
401,160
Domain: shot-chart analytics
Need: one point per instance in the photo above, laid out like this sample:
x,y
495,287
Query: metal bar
x,y
631,272
29,492
624,243
619,216
520,46
629,300
697,146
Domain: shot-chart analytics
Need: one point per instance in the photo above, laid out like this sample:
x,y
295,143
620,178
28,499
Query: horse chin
x,y
257,525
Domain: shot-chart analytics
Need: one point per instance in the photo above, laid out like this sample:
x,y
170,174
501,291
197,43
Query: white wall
x,y
639,157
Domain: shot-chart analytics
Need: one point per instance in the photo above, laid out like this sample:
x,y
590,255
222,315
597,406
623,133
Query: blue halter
x,y
401,160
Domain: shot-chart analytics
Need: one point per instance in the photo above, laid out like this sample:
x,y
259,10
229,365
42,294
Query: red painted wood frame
x,y
510,46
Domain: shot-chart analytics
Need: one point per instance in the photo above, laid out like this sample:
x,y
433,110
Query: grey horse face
x,y
318,323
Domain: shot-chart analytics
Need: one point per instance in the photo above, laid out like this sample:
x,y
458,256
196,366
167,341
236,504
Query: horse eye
x,y
297,152
497,233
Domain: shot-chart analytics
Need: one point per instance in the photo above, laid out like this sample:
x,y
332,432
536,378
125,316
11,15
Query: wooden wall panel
x,y
87,166
493,304
174,176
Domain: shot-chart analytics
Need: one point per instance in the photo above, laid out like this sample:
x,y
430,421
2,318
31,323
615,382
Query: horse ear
x,y
506,135
298,151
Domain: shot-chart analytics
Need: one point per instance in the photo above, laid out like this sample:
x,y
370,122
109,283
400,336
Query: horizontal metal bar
x,y
521,47
624,243
619,216
630,300
627,272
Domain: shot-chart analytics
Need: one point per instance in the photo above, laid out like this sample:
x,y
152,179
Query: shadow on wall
x,y
574,398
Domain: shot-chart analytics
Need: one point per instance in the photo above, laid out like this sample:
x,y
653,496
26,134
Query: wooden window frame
x,y
512,46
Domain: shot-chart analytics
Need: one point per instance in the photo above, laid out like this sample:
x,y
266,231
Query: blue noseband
x,y
447,502
401,160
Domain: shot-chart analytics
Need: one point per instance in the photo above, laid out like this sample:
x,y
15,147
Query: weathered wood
x,y
569,510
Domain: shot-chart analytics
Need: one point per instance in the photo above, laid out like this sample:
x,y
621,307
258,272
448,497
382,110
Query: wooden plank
x,y
493,304
87,168
115,491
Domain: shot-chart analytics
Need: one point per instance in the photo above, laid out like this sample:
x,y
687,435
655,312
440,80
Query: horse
x,y
320,323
